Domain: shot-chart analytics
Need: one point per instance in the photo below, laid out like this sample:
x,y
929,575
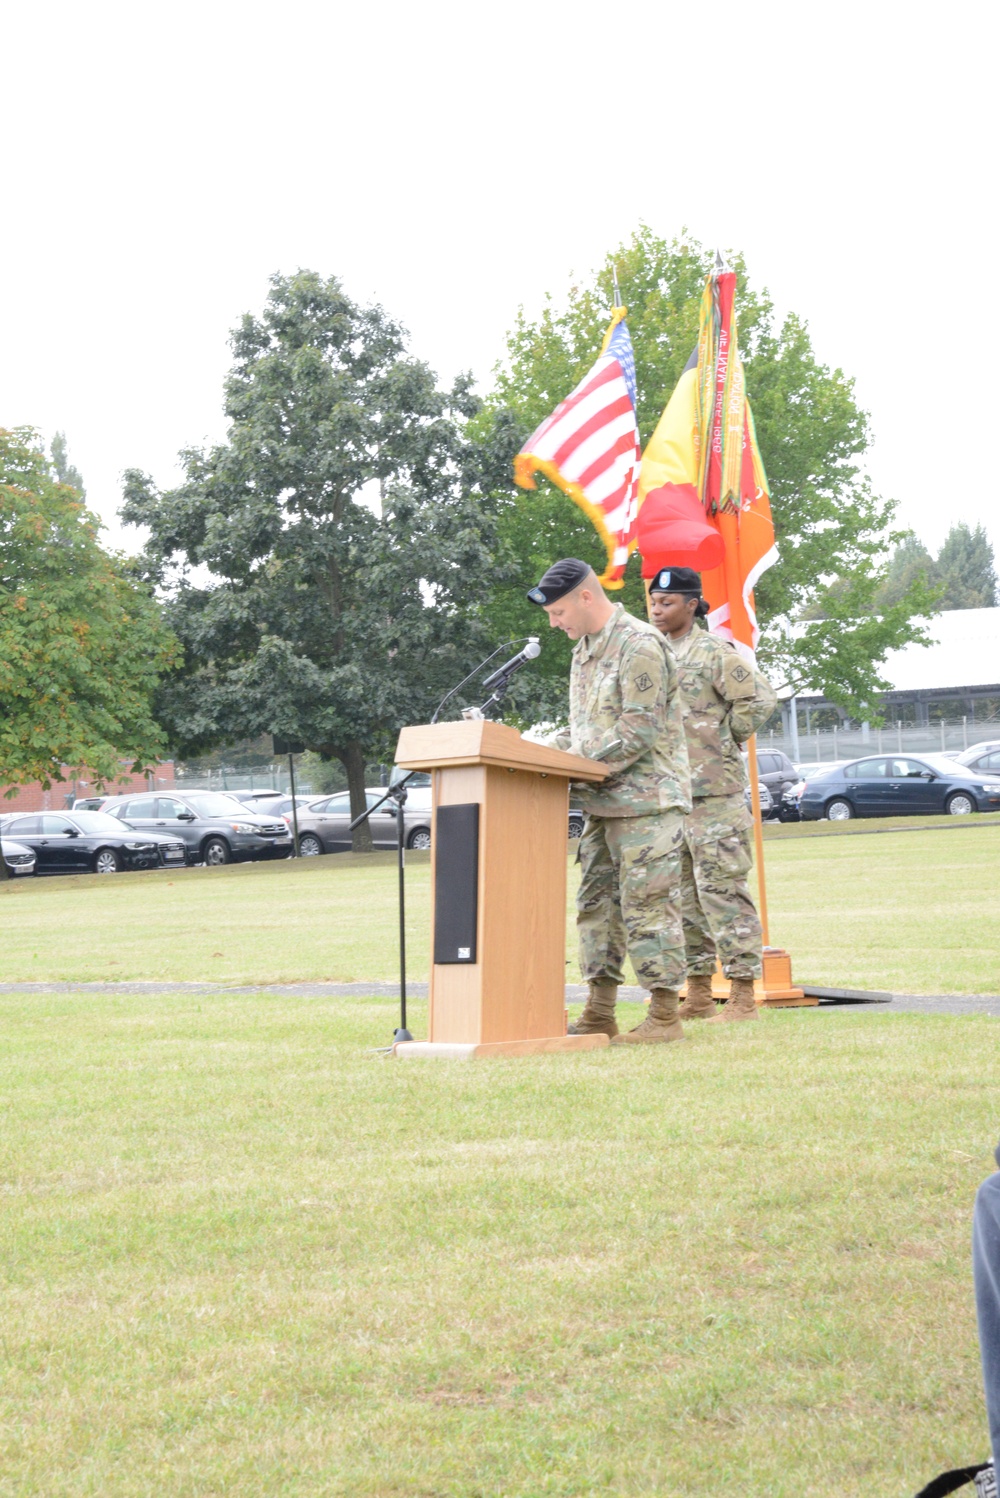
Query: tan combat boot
x,y
661,1023
699,1003
740,1004
598,1017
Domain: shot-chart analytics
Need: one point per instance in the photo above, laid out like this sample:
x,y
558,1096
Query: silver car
x,y
325,826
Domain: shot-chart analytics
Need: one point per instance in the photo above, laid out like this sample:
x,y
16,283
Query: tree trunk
x,y
353,760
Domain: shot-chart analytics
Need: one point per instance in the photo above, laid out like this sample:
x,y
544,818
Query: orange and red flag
x,y
703,497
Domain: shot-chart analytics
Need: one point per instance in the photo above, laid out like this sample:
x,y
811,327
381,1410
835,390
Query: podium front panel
x,y
515,989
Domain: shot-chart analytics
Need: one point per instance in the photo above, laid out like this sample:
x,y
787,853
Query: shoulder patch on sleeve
x,y
643,682
738,676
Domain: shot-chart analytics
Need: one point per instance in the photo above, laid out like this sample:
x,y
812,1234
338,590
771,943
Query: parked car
x,y
324,827
214,828
981,757
90,803
788,808
278,804
90,842
766,800
19,858
258,798
777,772
886,785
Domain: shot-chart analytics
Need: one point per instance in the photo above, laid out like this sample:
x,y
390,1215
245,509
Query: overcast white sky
x,y
455,160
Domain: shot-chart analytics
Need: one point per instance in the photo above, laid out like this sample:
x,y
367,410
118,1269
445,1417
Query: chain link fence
x,y
852,740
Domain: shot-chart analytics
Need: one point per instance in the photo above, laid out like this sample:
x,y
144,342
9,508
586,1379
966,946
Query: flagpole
x,y
758,836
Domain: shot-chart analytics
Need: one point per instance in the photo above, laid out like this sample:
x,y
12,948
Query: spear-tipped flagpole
x,y
618,295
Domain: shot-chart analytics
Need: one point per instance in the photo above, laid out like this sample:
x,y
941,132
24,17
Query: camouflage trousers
x,y
719,915
629,899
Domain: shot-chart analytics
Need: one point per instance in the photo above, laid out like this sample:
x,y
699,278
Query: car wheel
x,y
215,852
576,825
309,845
839,811
421,839
960,804
106,861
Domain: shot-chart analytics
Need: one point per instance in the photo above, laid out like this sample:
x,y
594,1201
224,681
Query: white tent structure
x,y
965,656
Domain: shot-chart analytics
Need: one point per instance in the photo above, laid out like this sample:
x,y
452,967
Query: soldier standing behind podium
x,y
724,702
625,711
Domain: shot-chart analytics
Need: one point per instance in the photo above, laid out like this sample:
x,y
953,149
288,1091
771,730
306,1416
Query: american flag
x,y
589,447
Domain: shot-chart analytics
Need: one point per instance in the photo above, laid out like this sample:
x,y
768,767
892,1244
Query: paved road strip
x,y
575,994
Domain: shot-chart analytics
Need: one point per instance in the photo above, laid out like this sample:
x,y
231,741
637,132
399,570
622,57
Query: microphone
x,y
530,652
449,695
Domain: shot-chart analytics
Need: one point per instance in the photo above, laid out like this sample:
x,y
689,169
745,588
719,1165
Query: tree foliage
x,y
965,570
962,576
65,472
812,434
82,642
347,541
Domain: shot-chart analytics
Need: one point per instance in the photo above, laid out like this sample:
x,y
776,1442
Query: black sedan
x,y
898,785
90,842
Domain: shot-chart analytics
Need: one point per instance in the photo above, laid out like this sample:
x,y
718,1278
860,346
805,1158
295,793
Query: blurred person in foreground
x,y
986,1276
624,710
724,701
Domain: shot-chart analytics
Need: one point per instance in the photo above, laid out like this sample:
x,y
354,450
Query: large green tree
x,y
345,539
813,436
82,640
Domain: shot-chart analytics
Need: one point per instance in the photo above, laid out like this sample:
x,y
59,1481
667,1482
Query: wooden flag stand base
x,y
775,990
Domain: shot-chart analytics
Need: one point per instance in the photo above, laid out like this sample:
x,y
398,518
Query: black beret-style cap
x,y
561,578
676,580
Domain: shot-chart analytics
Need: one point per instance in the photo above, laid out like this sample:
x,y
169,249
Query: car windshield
x,y
219,806
94,822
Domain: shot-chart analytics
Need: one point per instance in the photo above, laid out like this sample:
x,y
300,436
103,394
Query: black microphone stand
x,y
397,793
499,691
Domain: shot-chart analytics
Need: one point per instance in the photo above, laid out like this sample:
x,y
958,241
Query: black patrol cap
x,y
561,578
676,580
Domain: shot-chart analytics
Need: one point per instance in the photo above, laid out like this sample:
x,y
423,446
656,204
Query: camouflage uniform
x,y
724,702
623,687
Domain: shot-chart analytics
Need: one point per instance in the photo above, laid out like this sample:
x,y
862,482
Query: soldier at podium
x,y
625,711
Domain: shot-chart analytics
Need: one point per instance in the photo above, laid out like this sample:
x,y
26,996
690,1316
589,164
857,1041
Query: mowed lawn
x,y
915,912
242,1253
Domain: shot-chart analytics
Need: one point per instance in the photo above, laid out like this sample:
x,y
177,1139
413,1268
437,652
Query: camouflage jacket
x,y
623,688
724,702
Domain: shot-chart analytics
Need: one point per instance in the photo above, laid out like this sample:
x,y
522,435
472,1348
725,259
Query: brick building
x,y
63,793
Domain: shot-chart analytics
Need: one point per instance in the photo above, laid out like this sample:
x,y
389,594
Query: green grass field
x,y
241,1253
912,912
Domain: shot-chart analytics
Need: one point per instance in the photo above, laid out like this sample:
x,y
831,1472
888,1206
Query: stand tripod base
x,y
448,1050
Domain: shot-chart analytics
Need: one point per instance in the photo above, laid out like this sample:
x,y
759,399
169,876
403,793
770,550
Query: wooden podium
x,y
498,881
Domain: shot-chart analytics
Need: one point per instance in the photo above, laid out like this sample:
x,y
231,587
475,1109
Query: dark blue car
x,y
899,785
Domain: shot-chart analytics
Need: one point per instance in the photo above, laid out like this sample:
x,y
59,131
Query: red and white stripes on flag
x,y
589,448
